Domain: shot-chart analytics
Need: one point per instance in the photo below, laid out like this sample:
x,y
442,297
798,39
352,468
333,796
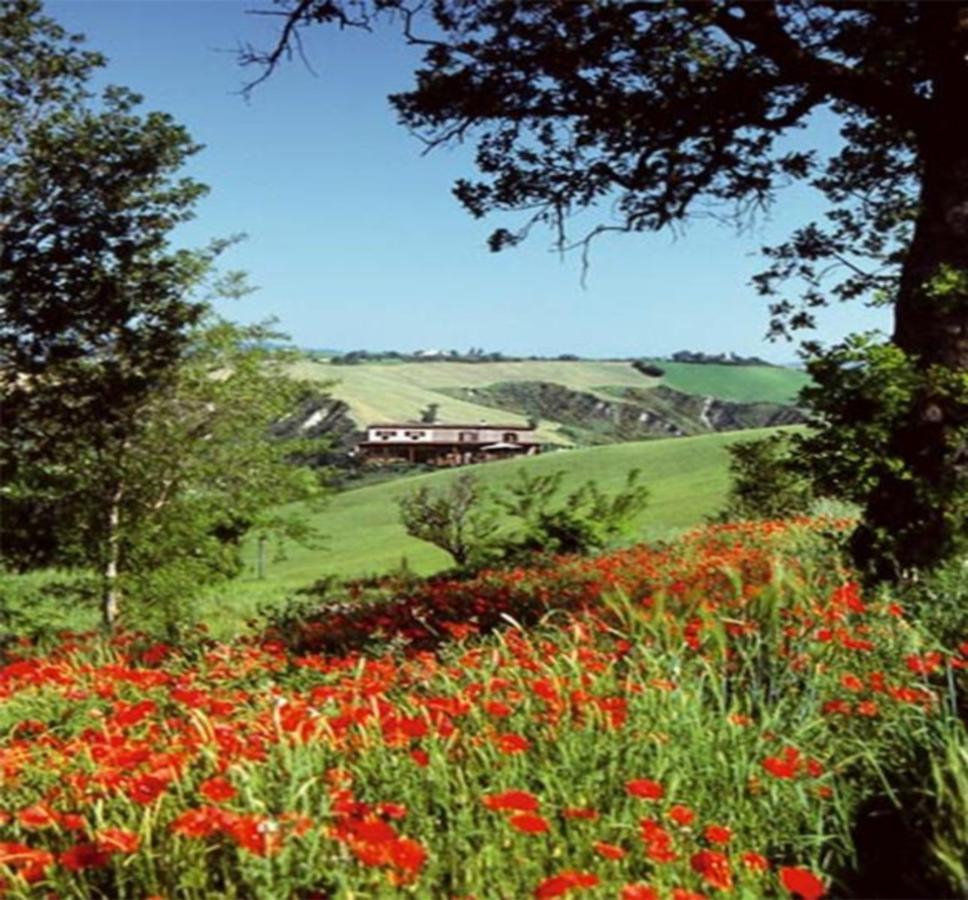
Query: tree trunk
x,y
111,592
918,517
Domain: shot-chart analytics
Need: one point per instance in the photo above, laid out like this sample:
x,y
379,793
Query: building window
x,y
413,435
467,437
386,435
510,437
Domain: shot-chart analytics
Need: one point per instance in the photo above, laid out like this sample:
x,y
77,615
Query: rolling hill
x,y
749,384
617,393
687,478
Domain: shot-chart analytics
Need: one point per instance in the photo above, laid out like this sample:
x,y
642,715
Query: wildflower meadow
x,y
700,719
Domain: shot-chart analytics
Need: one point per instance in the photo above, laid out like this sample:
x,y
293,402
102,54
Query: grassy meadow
x,y
362,534
748,384
687,478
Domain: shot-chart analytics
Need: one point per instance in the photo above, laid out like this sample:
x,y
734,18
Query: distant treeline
x,y
479,355
719,359
474,355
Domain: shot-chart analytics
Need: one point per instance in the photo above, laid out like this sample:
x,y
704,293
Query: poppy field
x,y
699,719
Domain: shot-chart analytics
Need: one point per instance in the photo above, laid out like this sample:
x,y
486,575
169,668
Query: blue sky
x,y
354,237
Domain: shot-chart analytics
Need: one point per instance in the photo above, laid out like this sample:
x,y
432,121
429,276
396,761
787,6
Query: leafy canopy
x,y
136,428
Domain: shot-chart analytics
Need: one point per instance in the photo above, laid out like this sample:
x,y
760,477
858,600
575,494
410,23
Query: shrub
x,y
766,482
582,522
457,519
452,519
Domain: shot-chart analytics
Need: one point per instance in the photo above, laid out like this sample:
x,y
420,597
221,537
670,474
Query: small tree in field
x,y
158,509
452,519
583,521
462,520
428,415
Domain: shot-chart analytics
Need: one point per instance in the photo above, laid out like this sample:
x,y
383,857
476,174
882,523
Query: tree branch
x,y
761,26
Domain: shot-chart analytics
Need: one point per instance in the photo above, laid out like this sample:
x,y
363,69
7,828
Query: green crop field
x,y
378,392
747,384
687,478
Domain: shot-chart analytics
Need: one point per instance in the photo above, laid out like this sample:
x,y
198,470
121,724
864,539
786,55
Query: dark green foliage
x,y
648,368
428,415
94,304
865,400
765,481
135,441
697,357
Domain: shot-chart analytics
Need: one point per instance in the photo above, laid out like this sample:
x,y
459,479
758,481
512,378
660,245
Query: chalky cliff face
x,y
682,722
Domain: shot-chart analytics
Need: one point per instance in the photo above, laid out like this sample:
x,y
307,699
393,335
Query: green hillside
x,y
375,391
772,384
687,478
398,392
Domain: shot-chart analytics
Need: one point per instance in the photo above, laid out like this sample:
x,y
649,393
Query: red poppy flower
x,y
755,862
28,863
37,816
609,851
681,815
513,743
145,789
407,855
714,869
802,882
529,823
217,789
83,856
256,834
658,842
375,831
72,822
563,882
717,834
851,682
497,709
117,840
580,812
638,892
645,788
420,757
519,801
199,823
924,665
785,766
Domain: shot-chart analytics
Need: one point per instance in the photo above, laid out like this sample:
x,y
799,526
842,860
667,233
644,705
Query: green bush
x,y
461,520
766,481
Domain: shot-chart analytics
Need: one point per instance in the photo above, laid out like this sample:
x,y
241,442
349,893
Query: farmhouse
x,y
446,445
